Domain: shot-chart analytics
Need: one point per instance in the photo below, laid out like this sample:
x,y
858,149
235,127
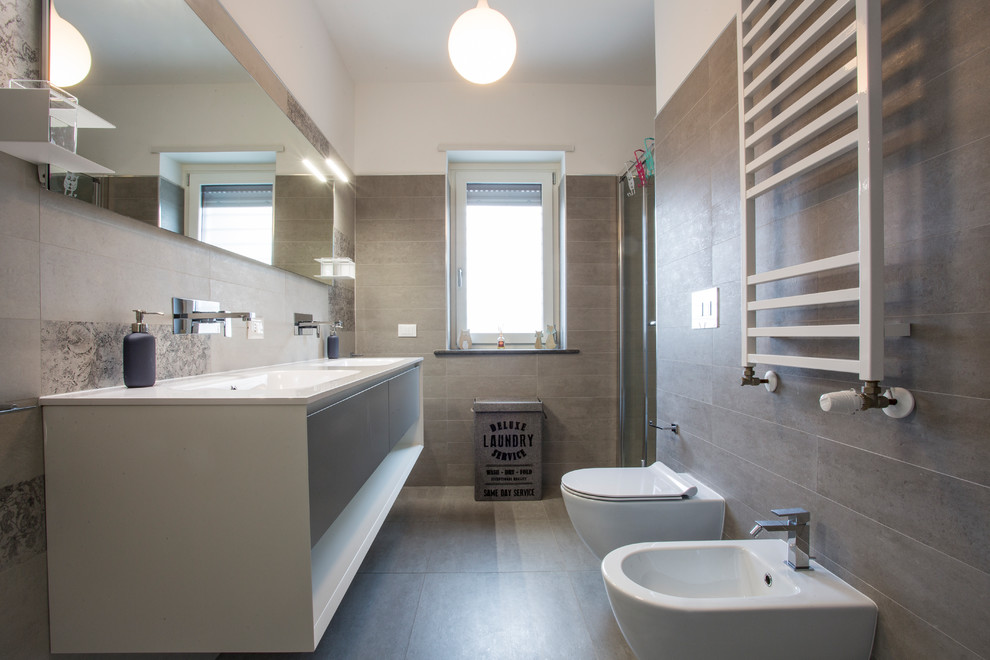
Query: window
x,y
233,210
504,252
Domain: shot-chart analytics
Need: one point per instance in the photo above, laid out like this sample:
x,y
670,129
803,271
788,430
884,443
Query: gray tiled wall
x,y
303,223
171,206
899,507
341,292
401,248
134,196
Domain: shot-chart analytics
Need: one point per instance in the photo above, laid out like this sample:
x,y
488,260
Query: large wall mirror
x,y
198,147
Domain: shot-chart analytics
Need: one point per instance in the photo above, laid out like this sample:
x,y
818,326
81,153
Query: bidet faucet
x,y
798,534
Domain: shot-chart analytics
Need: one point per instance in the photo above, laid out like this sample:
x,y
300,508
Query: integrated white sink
x,y
306,382
733,599
269,381
361,362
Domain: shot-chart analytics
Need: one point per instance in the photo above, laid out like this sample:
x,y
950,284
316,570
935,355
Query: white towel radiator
x,y
764,27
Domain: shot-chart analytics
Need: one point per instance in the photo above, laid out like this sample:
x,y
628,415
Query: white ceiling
x,y
558,41
149,42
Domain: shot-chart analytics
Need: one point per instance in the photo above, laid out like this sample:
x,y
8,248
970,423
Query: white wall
x,y
684,32
395,128
400,125
223,117
291,36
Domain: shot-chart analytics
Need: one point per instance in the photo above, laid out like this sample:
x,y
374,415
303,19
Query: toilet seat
x,y
655,482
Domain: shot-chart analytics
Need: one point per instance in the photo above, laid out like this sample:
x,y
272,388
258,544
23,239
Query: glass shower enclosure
x,y
637,323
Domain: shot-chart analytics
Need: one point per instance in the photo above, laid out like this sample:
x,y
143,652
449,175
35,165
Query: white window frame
x,y
197,176
459,175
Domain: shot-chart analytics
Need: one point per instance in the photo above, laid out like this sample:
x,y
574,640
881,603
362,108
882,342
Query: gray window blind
x,y
504,194
236,195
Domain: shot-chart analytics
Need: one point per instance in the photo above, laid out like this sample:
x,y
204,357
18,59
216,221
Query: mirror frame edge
x,y
223,26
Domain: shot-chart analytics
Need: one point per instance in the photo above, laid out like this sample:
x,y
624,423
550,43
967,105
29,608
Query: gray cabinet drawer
x,y
346,442
403,404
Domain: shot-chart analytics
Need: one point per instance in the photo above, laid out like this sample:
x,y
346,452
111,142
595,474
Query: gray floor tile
x,y
527,545
589,588
555,508
550,624
499,615
458,504
402,546
463,546
576,555
418,503
451,578
524,510
374,620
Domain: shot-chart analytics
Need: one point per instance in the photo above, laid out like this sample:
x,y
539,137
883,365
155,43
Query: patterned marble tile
x,y
19,52
84,355
22,521
306,125
343,245
341,299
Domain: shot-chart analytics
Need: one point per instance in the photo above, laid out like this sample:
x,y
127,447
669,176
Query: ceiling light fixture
x,y
482,44
70,57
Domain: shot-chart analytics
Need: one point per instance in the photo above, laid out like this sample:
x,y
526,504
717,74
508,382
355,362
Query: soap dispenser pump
x,y
139,353
333,341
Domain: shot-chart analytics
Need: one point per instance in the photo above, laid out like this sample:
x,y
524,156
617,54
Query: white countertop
x,y
292,383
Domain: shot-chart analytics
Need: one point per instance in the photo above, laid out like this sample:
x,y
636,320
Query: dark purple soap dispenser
x,y
333,341
139,353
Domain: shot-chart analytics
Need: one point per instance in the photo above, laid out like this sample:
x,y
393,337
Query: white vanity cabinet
x,y
203,520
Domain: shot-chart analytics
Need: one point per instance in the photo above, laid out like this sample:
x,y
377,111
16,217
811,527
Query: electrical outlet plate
x,y
256,329
704,308
407,329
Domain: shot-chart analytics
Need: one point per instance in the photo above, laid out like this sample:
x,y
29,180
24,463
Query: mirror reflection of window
x,y
238,218
182,104
217,195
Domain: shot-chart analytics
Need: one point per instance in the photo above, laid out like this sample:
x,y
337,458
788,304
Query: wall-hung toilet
x,y
613,507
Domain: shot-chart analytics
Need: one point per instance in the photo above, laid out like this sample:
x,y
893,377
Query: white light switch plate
x,y
704,308
256,329
407,329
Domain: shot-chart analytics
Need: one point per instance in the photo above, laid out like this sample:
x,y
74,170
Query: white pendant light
x,y
70,56
482,44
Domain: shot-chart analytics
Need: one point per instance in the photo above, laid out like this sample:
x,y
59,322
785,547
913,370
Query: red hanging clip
x,y
640,170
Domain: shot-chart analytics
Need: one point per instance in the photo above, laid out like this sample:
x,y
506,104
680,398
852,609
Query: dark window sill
x,y
505,351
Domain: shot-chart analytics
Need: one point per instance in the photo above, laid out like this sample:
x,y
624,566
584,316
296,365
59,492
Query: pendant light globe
x,y
482,44
69,57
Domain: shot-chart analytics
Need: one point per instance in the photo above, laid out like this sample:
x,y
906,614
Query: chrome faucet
x,y
203,317
302,322
216,317
798,534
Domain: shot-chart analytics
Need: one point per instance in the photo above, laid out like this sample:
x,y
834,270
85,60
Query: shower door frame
x,y
632,451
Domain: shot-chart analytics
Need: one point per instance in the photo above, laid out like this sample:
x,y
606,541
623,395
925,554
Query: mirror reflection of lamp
x,y
70,56
482,44
337,170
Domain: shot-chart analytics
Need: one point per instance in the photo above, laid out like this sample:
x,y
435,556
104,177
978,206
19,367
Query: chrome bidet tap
x,y
796,524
